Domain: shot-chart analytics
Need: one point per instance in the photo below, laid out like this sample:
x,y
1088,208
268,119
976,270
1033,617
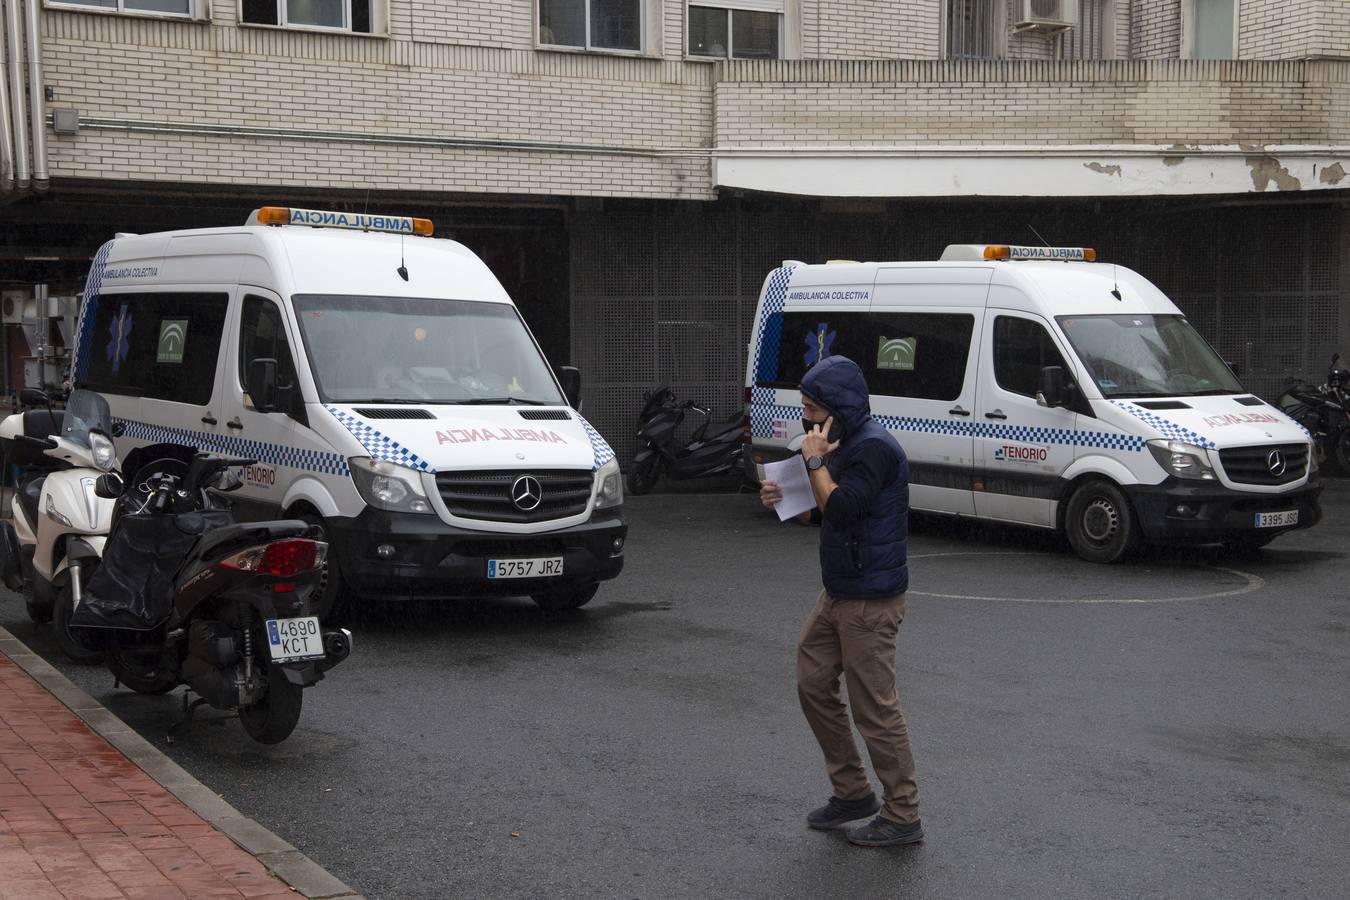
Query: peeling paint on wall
x,y
1105,170
1267,169
1333,174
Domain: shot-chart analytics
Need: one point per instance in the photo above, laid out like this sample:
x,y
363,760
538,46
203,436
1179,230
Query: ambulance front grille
x,y
1255,465
486,495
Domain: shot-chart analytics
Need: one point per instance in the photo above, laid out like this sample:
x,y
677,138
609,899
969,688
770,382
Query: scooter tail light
x,y
285,559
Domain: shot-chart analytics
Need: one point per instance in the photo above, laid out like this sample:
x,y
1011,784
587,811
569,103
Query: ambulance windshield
x,y
1147,356
401,350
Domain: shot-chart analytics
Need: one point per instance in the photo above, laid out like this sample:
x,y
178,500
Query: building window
x,y
716,32
1213,24
340,15
970,29
161,7
1087,38
591,24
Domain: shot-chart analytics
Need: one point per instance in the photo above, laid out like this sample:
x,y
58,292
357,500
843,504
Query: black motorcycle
x,y
185,596
1325,411
713,449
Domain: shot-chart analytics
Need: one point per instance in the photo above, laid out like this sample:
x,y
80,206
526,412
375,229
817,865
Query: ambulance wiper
x,y
501,401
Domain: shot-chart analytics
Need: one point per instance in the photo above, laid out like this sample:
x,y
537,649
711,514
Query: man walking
x,y
860,478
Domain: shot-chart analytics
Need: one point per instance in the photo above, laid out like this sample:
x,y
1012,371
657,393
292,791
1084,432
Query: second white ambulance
x,y
1036,386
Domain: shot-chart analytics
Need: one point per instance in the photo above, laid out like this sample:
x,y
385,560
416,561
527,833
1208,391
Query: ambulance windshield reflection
x,y
1137,356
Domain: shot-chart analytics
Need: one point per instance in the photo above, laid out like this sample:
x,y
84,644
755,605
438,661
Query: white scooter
x,y
60,523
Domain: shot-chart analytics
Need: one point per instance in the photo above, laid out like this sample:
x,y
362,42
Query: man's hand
x,y
816,443
770,494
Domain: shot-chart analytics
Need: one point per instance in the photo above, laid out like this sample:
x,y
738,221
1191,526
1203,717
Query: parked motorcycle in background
x,y
55,540
713,449
1325,411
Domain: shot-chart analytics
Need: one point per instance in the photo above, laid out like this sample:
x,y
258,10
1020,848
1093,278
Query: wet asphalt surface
x,y
1069,744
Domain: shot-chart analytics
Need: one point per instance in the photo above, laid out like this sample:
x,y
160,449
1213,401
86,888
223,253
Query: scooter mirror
x,y
109,486
118,429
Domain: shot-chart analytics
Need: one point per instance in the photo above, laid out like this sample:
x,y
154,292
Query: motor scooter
x,y
55,539
713,449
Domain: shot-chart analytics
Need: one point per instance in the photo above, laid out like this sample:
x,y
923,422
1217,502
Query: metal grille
x,y
1252,465
970,29
486,496
1086,39
380,412
545,415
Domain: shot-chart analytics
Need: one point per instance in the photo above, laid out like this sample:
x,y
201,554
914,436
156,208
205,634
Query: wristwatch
x,y
814,462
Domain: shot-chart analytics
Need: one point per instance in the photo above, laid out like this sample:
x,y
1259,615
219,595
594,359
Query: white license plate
x,y
1277,519
543,567
289,640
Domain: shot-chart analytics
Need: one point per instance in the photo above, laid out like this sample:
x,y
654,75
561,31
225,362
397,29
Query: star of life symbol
x,y
818,344
119,345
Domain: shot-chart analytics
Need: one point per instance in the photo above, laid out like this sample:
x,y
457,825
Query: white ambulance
x,y
1035,386
385,383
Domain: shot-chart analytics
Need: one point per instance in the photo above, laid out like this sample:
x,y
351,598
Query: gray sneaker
x,y
882,832
839,812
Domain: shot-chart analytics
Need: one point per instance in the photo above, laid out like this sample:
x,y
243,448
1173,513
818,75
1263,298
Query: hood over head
x,y
837,384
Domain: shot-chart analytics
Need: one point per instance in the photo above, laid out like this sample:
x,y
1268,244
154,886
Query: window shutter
x,y
772,6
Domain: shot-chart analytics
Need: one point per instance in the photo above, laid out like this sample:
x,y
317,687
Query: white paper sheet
x,y
791,477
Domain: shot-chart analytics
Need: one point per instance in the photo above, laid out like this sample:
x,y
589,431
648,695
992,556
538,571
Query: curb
x,y
301,873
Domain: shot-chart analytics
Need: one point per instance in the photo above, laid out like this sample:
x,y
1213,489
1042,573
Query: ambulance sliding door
x,y
921,372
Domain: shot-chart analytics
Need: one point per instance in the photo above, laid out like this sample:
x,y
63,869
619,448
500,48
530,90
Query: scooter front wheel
x,y
272,718
81,645
39,610
644,474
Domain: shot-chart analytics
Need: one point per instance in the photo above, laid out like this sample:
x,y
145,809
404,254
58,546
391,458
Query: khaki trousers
x,y
857,638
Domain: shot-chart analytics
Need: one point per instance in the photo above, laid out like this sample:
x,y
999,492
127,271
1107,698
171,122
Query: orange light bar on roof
x,y
319,218
1060,254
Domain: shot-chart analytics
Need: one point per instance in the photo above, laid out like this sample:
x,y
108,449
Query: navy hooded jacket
x,y
865,526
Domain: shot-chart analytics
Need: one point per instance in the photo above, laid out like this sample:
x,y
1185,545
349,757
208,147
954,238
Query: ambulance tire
x,y
1100,523
334,597
567,598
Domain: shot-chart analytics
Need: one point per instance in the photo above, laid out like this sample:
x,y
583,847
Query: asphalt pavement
x,y
1173,727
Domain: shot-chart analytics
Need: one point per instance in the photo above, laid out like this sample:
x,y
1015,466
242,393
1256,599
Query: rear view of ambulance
x,y
385,383
1035,386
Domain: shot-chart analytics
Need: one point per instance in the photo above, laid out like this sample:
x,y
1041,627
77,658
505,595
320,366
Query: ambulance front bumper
x,y
386,555
1192,512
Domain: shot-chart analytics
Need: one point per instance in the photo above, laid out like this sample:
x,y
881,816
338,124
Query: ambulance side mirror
x,y
1054,390
1233,367
262,384
570,378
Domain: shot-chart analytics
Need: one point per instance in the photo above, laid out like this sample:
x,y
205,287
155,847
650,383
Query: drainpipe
x,y
37,110
6,141
16,112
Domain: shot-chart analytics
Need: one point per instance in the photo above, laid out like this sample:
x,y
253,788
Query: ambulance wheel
x,y
81,645
1100,523
334,598
644,475
274,716
567,598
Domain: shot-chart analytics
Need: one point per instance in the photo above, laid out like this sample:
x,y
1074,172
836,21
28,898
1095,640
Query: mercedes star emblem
x,y
526,493
1275,463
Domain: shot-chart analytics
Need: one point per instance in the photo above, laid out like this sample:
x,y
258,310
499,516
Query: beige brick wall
x,y
483,23
1331,30
871,29
1157,29
1051,104
1278,29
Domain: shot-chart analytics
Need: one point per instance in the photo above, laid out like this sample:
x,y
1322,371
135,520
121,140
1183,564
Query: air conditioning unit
x,y
1047,15
13,305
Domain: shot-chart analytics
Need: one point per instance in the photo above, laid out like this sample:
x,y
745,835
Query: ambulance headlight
x,y
1182,460
105,456
1314,464
611,485
387,486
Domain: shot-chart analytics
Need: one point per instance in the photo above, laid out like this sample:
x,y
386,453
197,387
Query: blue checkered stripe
x,y
764,410
379,445
319,461
600,448
1019,434
768,339
84,330
1170,430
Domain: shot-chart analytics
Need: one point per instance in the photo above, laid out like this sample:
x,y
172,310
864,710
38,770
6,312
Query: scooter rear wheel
x,y
644,475
81,645
39,610
274,716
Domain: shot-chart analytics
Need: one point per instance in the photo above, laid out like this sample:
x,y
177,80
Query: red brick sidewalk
x,y
80,820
